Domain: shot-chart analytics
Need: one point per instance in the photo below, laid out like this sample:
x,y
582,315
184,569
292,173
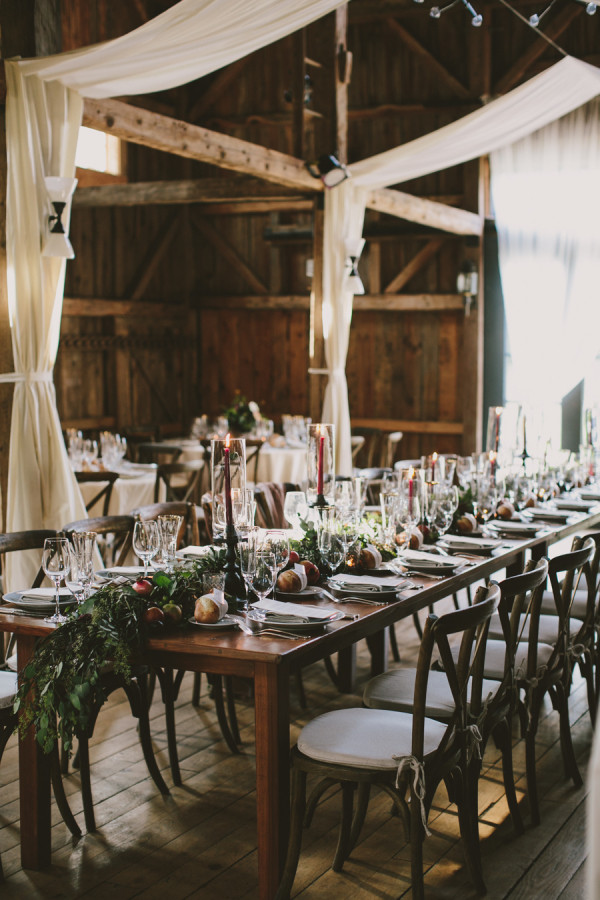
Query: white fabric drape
x,y
546,196
43,115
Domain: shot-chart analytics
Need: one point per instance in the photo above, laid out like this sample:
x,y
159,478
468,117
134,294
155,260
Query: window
x,y
99,152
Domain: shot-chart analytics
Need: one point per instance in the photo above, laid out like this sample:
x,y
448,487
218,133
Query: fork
x,y
352,599
266,632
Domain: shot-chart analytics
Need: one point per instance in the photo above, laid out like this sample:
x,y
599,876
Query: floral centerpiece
x,y
242,415
61,687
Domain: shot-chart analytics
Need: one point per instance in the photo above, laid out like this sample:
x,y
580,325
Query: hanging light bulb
x,y
534,20
435,12
476,19
591,9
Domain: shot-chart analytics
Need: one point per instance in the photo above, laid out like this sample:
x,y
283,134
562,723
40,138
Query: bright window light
x,y
98,151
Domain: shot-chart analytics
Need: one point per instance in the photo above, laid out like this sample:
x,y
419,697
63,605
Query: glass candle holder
x,y
320,464
228,470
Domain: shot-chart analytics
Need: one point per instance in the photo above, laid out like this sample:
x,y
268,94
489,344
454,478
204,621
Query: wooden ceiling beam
x,y
216,88
553,30
414,265
193,142
192,190
433,65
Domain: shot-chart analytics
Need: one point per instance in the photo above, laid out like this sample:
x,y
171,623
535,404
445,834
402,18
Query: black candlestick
x,y
234,584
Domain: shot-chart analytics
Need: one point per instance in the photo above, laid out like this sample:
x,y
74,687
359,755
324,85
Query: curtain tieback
x,y
25,377
339,370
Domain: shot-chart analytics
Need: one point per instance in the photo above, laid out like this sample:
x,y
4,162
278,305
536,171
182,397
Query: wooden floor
x,y
201,841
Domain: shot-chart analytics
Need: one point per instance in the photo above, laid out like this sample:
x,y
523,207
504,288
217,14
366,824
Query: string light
x,y
435,12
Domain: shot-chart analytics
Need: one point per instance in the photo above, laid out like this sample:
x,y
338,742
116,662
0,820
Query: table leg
x,y
378,646
271,711
516,568
346,669
34,785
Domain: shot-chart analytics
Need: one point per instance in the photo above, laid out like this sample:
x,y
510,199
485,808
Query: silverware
x,y
25,612
352,599
428,575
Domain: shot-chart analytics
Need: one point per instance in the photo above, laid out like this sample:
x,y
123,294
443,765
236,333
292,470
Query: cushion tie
x,y
418,769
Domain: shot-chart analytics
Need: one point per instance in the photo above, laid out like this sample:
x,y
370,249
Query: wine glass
x,y
277,543
56,563
169,527
295,507
263,577
146,541
84,546
486,497
331,548
247,548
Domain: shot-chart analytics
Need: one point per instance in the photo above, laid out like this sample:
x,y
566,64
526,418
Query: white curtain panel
x,y
43,116
344,215
546,197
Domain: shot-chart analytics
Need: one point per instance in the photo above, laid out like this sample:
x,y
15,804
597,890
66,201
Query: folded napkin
x,y
590,495
192,550
432,559
129,570
292,609
550,515
574,504
45,593
365,582
466,542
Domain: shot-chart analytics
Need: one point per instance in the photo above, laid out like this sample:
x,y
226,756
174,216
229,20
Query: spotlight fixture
x,y
467,284
329,169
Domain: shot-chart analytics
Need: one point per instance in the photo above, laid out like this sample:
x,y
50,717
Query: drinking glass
x,y
247,549
146,541
277,543
408,512
295,507
264,576
84,547
331,547
168,527
56,563
485,497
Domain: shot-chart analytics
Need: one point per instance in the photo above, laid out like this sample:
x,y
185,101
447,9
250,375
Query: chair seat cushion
x,y
395,690
495,652
548,630
578,608
366,738
8,688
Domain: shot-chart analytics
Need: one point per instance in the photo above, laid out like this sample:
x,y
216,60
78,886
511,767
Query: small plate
x,y
575,505
456,544
221,625
425,568
37,604
370,591
289,625
311,590
508,528
547,515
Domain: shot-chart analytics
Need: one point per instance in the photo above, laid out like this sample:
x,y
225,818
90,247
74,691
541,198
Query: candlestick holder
x,y
234,584
237,477
320,465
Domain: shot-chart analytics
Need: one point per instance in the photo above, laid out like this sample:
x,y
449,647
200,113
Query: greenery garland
x,y
61,687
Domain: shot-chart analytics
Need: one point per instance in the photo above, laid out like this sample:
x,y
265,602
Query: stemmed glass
x,y
277,543
264,576
331,548
486,497
295,507
168,527
408,512
247,548
56,562
82,562
146,542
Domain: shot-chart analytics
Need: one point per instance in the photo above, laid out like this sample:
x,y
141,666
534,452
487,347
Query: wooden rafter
x,y
553,30
415,265
433,65
152,259
230,254
238,189
219,84
193,142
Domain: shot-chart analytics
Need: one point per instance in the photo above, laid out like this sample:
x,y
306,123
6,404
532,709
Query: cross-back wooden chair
x,y
180,480
357,442
106,480
188,533
253,448
405,754
158,452
115,534
392,439
270,498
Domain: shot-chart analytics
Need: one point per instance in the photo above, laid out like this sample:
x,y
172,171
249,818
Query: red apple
x,y
173,612
312,571
293,558
143,587
154,615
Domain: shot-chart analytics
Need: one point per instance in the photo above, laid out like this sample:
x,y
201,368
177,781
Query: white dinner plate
x,y
518,529
474,545
311,590
38,603
291,623
574,504
221,625
425,568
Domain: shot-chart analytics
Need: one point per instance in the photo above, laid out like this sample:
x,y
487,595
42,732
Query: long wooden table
x,y
268,663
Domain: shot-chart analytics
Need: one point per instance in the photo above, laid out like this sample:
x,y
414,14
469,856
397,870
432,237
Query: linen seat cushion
x,y
395,690
578,607
8,688
365,738
495,652
548,629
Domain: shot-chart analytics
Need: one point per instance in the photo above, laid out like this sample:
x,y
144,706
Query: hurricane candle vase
x,y
320,464
228,474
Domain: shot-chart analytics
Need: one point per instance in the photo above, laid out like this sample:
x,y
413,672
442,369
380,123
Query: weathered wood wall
x,y
224,305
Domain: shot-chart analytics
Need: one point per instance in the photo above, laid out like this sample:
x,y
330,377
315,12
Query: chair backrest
x,y
465,675
181,480
392,441
188,533
371,453
568,573
136,435
357,441
270,499
253,448
207,512
106,479
158,452
115,534
14,541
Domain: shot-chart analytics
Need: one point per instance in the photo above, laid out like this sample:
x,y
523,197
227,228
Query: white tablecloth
x,y
127,494
276,464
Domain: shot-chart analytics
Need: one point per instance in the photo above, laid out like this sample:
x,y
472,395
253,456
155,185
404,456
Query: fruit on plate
x,y
466,523
173,612
289,582
530,501
154,616
293,558
143,587
413,537
369,558
505,510
312,571
208,609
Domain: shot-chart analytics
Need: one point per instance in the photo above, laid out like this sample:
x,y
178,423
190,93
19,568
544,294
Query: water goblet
x,y
247,548
295,508
263,578
331,548
56,563
146,541
277,543
169,527
84,547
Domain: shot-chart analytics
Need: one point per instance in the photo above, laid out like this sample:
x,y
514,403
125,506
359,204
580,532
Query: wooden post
x,y
6,353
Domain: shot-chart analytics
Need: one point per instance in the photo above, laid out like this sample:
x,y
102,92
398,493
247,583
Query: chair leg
x,y
502,737
314,798
168,696
300,688
298,804
330,668
417,836
566,744
216,683
231,710
587,670
362,802
145,737
394,644
468,815
196,689
342,851
86,785
60,796
532,791
417,625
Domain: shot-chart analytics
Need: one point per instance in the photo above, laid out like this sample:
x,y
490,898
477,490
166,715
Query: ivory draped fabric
x,y
43,115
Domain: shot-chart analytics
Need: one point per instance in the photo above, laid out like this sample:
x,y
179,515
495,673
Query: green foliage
x,y
61,687
239,415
